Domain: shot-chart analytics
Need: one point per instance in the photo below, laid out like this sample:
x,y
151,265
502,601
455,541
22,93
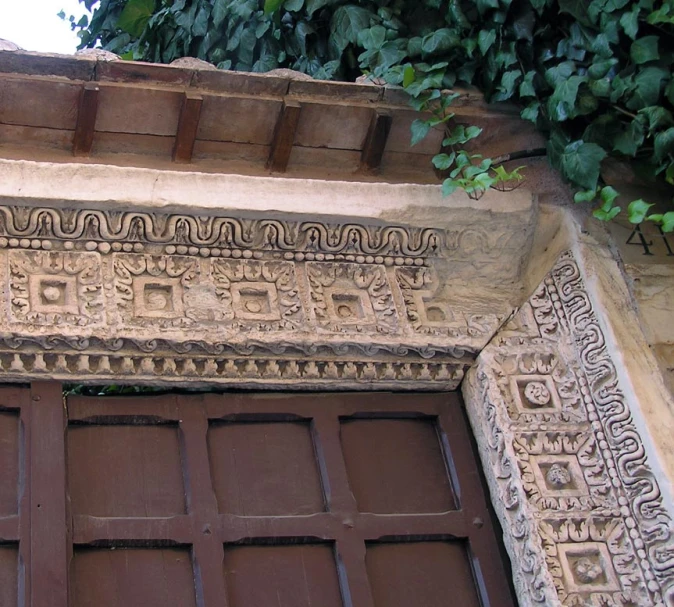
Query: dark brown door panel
x,y
242,500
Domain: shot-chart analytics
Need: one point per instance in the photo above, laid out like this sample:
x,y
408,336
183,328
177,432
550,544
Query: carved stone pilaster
x,y
582,514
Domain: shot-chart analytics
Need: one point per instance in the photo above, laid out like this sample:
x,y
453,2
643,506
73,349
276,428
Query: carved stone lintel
x,y
581,510
340,297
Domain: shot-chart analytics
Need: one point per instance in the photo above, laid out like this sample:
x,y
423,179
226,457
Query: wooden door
x,y
242,500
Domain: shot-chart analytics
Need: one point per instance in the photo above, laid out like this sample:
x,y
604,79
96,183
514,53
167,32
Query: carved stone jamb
x,y
583,518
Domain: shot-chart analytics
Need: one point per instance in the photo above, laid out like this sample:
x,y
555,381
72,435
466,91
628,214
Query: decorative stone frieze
x,y
232,300
582,513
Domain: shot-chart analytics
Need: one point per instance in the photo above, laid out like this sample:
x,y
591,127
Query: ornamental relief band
x,y
582,513
173,297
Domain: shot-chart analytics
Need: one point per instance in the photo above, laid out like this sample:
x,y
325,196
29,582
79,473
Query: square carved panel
x,y
158,298
559,476
535,393
258,294
564,471
351,297
154,290
255,301
587,567
56,288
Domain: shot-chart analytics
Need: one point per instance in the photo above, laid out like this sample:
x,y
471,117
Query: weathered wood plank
x,y
49,535
188,125
86,120
284,136
375,141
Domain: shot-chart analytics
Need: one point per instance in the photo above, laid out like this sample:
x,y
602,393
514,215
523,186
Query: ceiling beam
x,y
86,120
375,141
284,136
188,126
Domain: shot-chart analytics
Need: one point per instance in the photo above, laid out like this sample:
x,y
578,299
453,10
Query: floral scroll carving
x,y
582,512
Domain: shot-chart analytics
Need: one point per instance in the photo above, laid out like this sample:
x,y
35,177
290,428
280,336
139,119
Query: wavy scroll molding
x,y
583,517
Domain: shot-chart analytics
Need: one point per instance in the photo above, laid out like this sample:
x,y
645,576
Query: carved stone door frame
x,y
94,296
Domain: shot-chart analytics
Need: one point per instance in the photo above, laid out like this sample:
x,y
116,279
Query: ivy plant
x,y
593,75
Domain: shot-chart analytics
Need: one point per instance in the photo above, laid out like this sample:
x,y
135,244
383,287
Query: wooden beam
x,y
284,136
86,120
375,141
188,125
49,545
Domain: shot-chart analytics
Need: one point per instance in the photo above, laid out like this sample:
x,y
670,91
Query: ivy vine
x,y
594,76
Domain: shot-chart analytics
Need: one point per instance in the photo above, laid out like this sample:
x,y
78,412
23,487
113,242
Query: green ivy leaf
x,y
669,174
628,141
657,116
667,223
408,76
644,49
439,41
373,38
527,86
559,73
420,128
485,39
200,25
664,144
449,186
561,105
507,86
347,21
630,22
604,214
577,9
581,163
599,69
219,12
314,5
648,84
608,194
531,111
600,88
585,196
443,161
484,5
637,210
271,6
135,16
607,211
